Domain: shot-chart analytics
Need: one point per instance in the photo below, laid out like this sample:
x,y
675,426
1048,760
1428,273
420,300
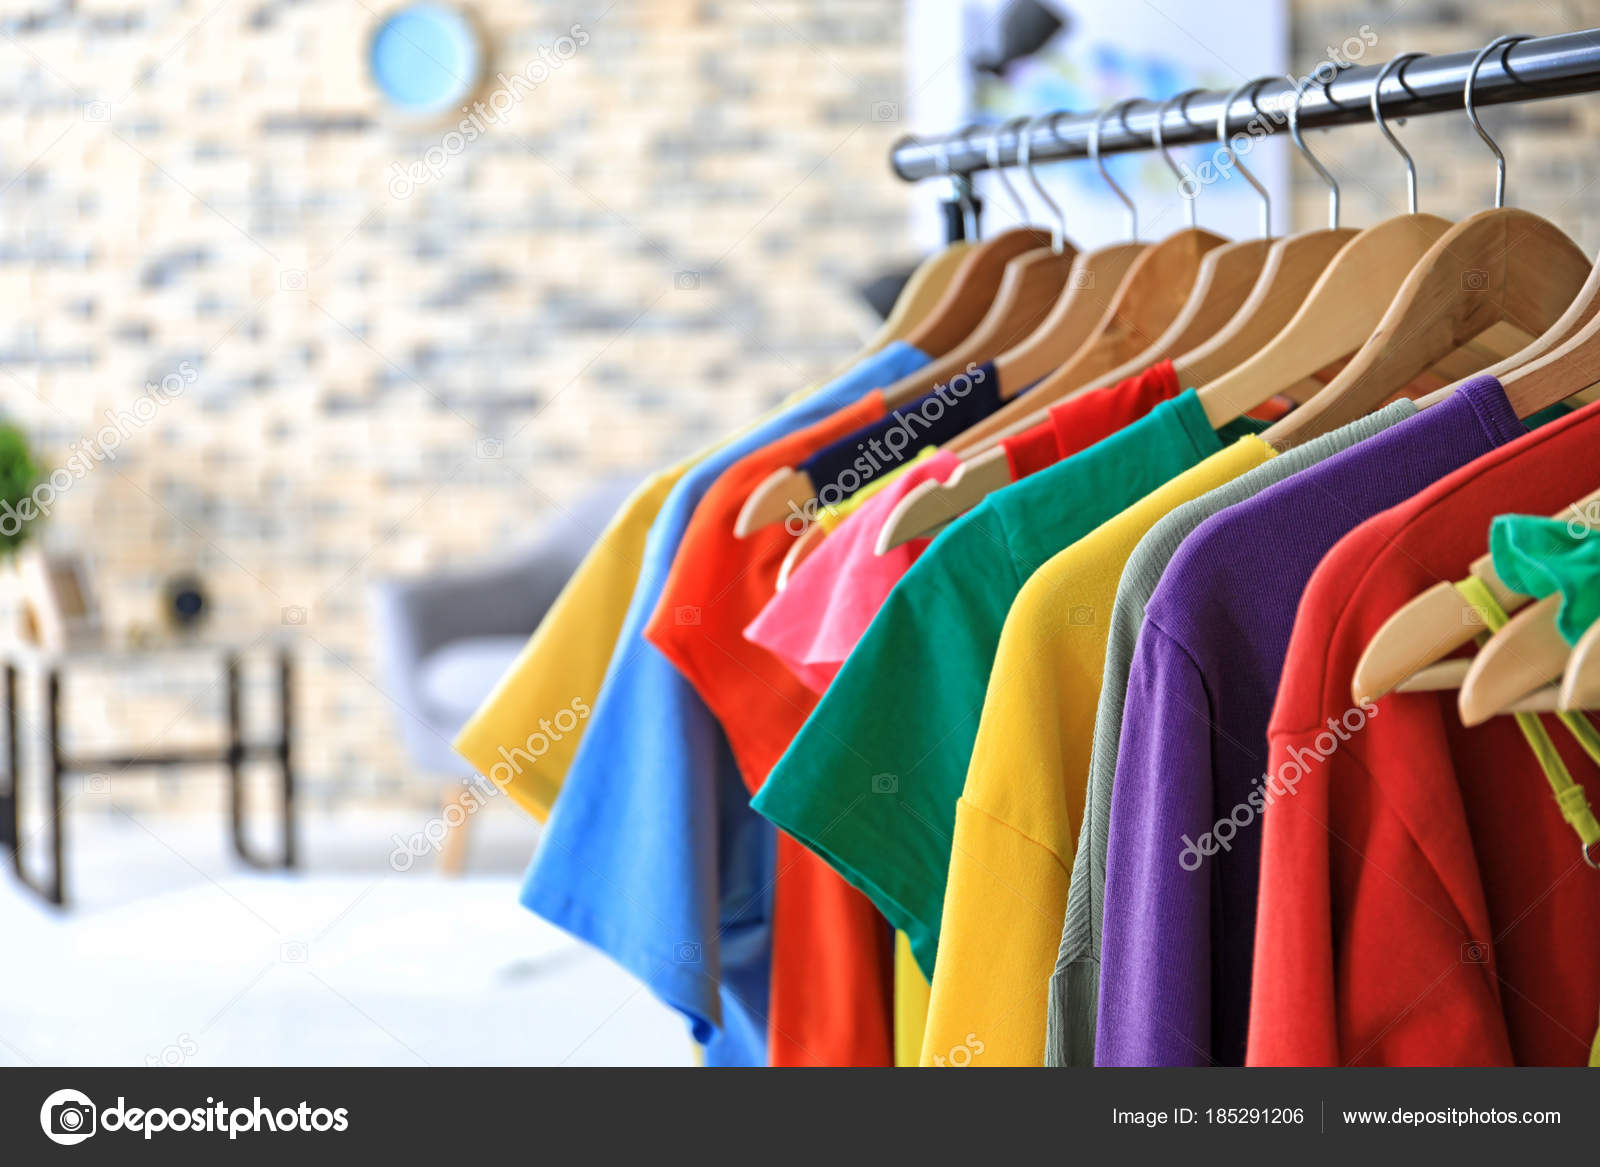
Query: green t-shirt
x,y
871,781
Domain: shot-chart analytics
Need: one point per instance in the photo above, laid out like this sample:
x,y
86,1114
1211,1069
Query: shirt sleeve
x,y
871,781
1155,977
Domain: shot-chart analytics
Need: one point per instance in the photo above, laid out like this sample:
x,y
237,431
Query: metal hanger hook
x,y
1157,136
1119,109
1015,126
1322,171
1499,42
1383,126
1058,236
1222,137
960,184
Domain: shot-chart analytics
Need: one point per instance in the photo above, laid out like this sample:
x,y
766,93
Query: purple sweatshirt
x,y
1184,850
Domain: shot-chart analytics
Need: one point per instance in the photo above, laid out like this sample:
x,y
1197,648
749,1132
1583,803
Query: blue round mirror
x,y
425,58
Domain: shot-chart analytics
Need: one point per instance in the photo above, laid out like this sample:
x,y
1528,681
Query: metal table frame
x,y
232,754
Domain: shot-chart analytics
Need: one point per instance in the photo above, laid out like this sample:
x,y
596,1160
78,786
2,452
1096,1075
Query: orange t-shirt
x,y
832,955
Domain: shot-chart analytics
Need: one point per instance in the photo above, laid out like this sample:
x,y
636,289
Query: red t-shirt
x,y
832,953
1422,900
1079,421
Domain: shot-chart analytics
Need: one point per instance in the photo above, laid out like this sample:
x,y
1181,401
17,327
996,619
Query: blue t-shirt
x,y
652,853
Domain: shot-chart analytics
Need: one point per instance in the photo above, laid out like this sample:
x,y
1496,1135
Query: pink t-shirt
x,y
815,622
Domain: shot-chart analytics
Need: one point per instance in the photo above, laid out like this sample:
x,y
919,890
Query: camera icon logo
x,y
292,279
885,111
294,614
97,111
686,281
686,952
293,952
1081,615
68,1117
1475,952
1474,279
1082,279
97,784
885,784
686,616
490,448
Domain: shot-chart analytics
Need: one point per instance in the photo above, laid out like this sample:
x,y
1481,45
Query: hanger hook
x,y
1119,109
1322,171
1222,137
1383,126
1014,126
1472,114
959,184
1058,235
1157,136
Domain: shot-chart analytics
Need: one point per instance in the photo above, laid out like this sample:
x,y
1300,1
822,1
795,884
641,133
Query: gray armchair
x,y
444,640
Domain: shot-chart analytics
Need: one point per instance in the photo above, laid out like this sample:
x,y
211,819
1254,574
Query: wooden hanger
x,y
1344,306
1580,685
1528,653
1292,268
1030,287
1380,256
1079,307
1407,652
1501,266
917,299
1147,302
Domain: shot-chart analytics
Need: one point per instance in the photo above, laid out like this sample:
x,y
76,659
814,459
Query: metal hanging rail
x,y
1548,66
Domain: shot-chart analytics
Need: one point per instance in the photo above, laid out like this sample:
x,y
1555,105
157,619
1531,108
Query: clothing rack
x,y
1540,67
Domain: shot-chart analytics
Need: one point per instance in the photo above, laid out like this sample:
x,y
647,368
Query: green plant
x,y
18,476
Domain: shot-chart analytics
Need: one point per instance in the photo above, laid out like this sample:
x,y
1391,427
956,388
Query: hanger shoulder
x,y
1338,316
1029,289
1423,631
782,493
1095,274
1291,269
930,505
920,295
810,539
1504,275
972,290
1527,653
1580,683
1226,276
1148,300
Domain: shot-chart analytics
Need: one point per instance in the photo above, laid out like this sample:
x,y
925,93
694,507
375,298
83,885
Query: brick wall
x,y
212,184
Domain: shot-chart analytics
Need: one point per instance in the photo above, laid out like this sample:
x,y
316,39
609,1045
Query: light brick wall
x,y
210,183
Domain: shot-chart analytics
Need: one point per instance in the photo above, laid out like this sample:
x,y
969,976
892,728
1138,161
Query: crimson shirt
x,y
1422,901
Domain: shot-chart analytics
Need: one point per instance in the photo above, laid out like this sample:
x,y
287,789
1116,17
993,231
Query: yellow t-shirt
x,y
1017,820
910,1004
564,662
565,659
